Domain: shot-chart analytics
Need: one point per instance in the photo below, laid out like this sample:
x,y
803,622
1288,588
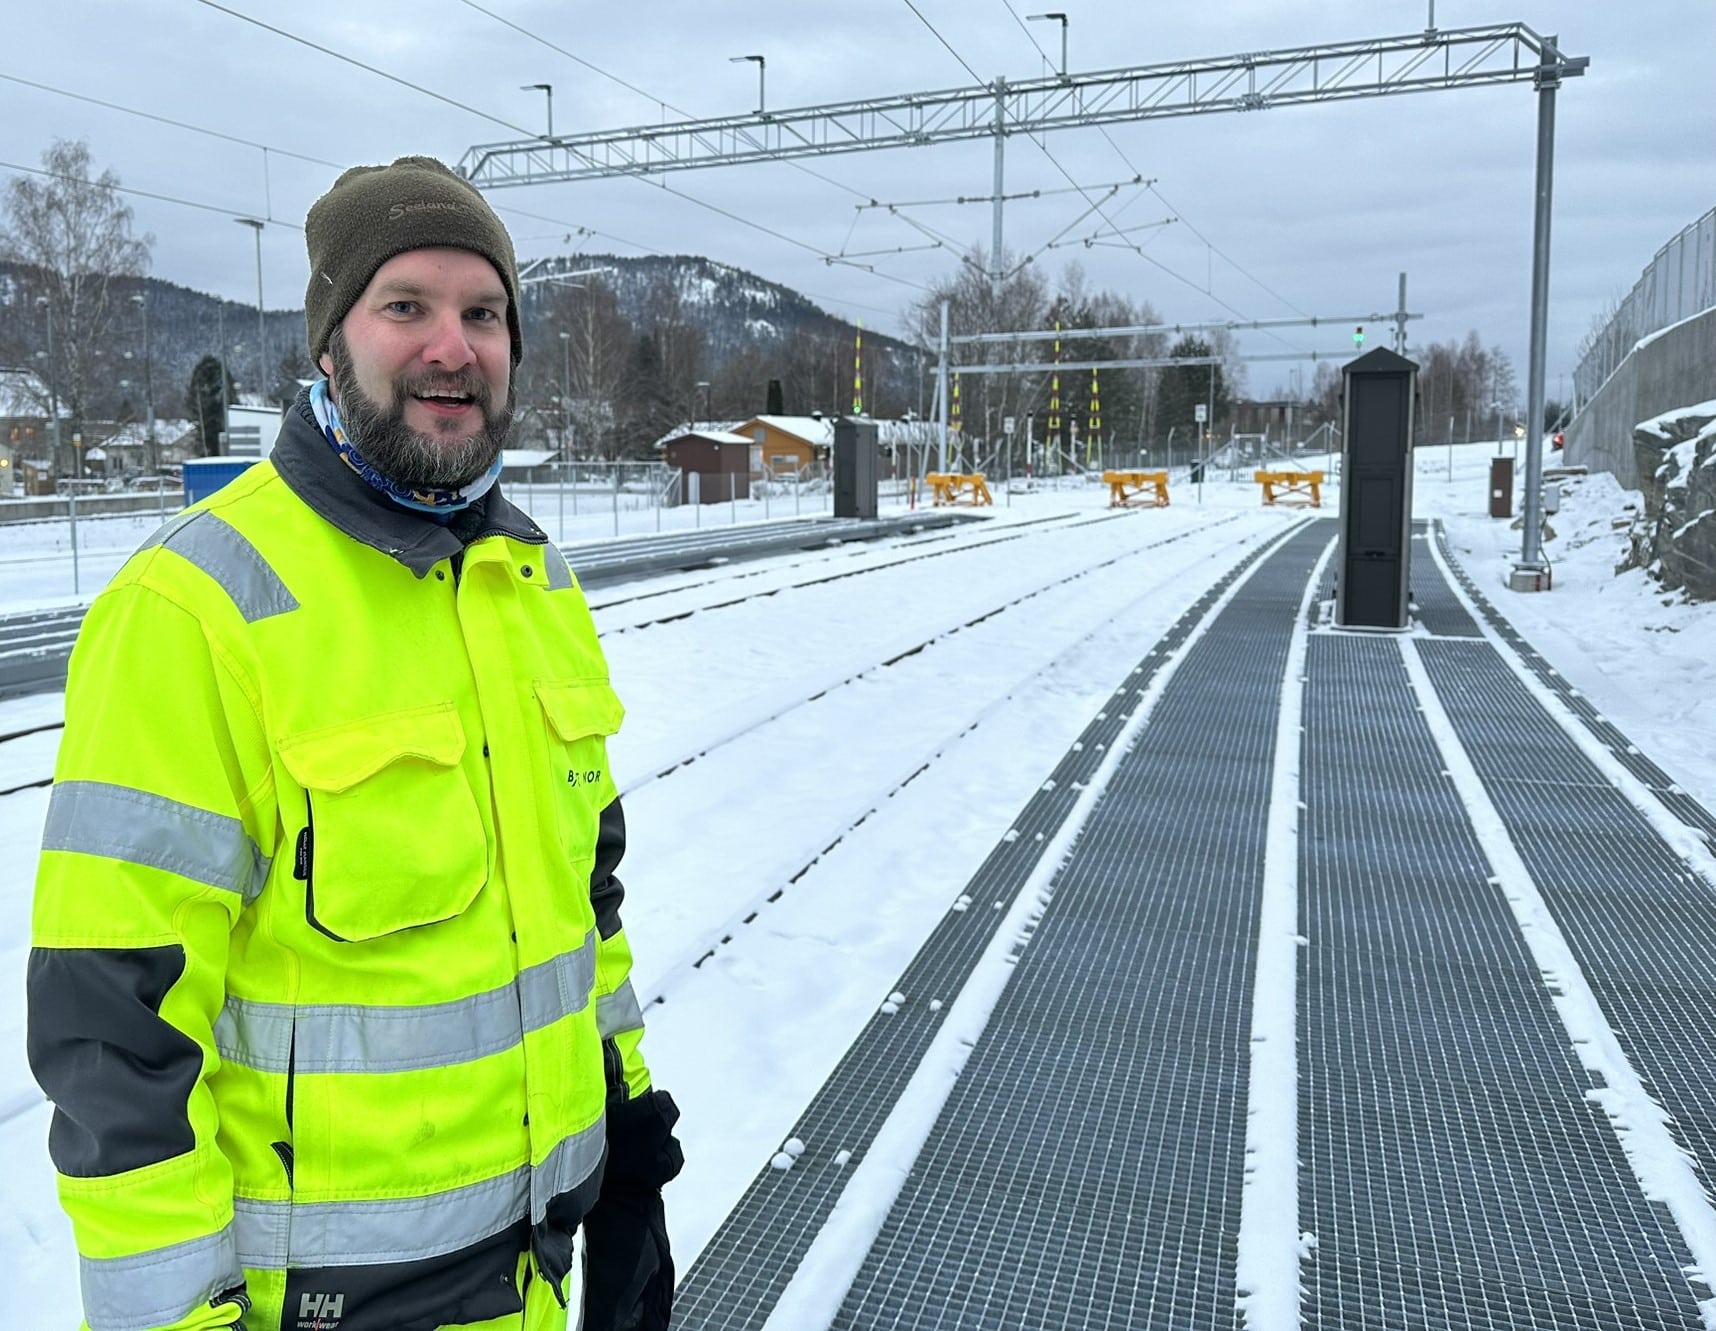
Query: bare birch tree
x,y
73,234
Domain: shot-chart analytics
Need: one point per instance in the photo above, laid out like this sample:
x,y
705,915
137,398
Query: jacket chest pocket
x,y
393,837
580,715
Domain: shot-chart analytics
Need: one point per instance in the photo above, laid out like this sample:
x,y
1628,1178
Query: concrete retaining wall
x,y
1674,368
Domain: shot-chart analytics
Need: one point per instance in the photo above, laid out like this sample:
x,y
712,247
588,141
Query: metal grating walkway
x,y
1435,606
740,1274
1102,1115
1455,1170
1640,921
1672,798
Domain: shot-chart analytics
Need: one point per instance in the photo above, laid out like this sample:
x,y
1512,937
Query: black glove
x,y
628,1282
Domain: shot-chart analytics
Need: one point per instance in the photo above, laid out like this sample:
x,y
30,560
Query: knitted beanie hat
x,y
376,212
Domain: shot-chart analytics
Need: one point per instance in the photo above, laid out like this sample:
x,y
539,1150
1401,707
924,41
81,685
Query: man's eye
x,y
402,307
482,315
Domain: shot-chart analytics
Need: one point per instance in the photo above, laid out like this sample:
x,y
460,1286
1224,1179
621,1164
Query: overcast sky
x,y
1310,210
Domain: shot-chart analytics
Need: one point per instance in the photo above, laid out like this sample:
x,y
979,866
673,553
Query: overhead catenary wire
x,y
428,92
1055,162
1043,148
367,68
1178,216
560,224
140,193
168,120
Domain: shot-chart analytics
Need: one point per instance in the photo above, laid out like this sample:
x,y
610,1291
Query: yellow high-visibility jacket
x,y
328,984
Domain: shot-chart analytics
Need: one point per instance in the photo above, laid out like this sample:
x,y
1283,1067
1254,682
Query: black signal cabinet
x,y
854,468
1373,563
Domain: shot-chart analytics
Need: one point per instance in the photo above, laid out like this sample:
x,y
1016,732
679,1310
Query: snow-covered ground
x,y
846,785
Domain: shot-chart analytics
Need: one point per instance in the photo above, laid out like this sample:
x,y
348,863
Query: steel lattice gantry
x,y
1417,62
1428,61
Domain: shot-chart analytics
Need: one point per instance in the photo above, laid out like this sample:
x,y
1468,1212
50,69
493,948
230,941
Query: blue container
x,y
203,476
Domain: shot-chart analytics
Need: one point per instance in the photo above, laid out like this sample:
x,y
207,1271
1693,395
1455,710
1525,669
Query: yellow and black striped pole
x,y
1093,435
858,371
1054,435
953,424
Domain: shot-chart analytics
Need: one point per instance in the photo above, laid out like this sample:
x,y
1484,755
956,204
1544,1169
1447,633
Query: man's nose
x,y
447,344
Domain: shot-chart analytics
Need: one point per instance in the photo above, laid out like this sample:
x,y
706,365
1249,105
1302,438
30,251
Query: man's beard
x,y
406,456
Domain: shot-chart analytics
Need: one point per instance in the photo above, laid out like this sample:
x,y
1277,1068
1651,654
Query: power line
x,y
140,193
1130,167
633,88
564,227
593,68
427,92
1053,161
1044,149
391,78
166,120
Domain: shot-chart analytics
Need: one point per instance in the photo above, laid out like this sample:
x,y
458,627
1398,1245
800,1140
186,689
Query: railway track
x,y
924,756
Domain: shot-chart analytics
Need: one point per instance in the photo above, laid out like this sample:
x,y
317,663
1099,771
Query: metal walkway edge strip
x,y
737,1280
1661,785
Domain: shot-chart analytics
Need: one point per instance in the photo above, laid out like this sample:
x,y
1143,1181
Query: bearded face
x,y
446,456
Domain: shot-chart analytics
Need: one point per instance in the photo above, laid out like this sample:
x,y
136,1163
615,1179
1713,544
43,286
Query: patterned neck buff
x,y
442,503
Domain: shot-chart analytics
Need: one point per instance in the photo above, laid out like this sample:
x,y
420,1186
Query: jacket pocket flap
x,y
336,758
580,707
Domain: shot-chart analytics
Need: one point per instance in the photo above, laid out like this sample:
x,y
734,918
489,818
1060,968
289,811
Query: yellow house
x,y
783,446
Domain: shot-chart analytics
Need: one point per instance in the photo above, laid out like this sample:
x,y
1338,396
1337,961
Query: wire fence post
x,y
71,503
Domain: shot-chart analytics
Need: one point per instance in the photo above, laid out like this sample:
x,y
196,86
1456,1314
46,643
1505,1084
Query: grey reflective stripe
x,y
551,989
351,1037
161,534
618,1012
136,827
404,1229
158,1287
559,573
570,1163
222,552
343,1037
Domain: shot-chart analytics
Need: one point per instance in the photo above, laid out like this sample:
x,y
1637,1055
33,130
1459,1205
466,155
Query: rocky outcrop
x,y
1676,458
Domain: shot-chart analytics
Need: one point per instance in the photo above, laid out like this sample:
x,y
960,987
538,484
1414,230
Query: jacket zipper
x,y
303,869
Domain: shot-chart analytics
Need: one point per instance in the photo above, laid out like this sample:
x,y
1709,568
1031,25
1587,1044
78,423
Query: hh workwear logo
x,y
320,1312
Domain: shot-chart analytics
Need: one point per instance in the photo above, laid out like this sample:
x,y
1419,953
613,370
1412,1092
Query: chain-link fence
x,y
1678,283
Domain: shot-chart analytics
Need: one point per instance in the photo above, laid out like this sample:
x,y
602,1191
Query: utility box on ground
x,y
1501,487
203,476
854,468
1373,561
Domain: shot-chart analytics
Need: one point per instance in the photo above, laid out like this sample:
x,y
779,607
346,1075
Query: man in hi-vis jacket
x,y
328,984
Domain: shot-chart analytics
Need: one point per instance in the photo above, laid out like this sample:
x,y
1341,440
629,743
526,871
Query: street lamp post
x,y
565,395
261,330
1058,17
761,65
708,419
43,303
140,300
547,88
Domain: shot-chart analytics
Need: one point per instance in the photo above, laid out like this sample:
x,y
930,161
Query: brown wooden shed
x,y
720,461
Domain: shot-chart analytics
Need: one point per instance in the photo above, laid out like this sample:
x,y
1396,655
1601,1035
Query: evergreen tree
x,y
1187,387
207,403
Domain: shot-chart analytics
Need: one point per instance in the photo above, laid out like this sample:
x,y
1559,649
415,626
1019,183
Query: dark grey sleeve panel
x,y
120,1077
606,890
